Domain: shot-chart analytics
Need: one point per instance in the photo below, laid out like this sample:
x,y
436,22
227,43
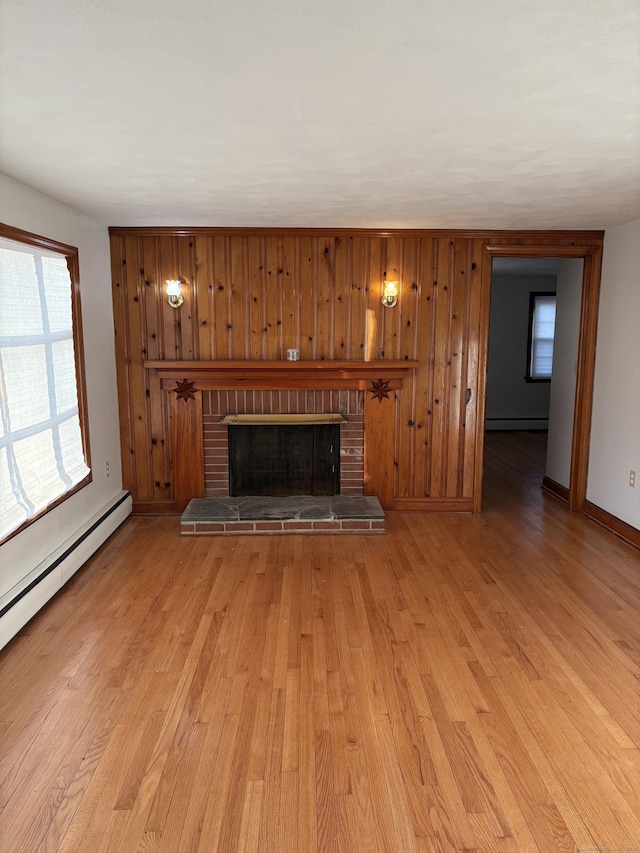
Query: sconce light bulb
x,y
390,294
174,293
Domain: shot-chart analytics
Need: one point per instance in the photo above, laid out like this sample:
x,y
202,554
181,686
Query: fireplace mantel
x,y
282,375
187,380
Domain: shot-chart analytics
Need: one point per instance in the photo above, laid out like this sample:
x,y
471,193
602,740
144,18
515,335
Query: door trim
x,y
592,257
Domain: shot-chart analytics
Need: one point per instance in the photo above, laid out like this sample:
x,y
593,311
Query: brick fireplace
x,y
217,404
202,392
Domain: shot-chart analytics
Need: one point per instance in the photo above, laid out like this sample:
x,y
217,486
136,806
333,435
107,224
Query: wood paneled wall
x,y
251,294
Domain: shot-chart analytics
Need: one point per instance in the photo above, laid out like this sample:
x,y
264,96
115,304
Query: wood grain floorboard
x,y
465,683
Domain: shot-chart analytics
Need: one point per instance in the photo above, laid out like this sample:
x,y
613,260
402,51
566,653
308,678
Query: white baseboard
x,y
52,574
516,423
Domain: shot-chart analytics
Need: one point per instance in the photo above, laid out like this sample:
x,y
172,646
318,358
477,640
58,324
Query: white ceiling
x,y
387,113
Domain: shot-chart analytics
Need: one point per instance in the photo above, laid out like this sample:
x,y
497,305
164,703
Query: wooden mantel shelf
x,y
210,375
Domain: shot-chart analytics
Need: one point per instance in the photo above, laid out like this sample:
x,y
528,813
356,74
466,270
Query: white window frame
x,y
42,246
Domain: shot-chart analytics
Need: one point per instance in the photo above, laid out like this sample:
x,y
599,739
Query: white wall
x,y
21,556
513,403
563,378
615,431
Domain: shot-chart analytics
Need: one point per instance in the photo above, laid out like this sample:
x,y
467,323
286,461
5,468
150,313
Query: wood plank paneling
x,y
250,294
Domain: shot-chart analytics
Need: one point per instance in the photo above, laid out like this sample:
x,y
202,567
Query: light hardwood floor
x,y
463,683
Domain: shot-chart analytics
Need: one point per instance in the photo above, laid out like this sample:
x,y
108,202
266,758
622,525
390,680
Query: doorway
x,y
531,375
584,363
522,330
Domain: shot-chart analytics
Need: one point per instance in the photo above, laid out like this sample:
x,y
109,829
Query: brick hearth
x,y
301,514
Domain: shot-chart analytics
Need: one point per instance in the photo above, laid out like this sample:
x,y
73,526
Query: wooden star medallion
x,y
185,390
380,389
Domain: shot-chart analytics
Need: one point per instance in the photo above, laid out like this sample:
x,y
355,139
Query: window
x,y
44,450
542,322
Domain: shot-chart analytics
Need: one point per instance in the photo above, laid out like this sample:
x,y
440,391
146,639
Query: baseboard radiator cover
x,y
53,573
516,424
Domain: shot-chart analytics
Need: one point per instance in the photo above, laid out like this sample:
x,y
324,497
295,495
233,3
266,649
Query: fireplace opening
x,y
283,460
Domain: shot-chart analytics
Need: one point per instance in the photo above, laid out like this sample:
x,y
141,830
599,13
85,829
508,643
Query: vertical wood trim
x,y
425,378
137,327
228,299
78,346
473,369
442,290
123,358
187,446
455,365
341,307
359,287
379,448
203,296
483,360
584,381
290,328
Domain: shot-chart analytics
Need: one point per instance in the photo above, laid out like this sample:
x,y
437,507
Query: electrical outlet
x,y
106,470
632,478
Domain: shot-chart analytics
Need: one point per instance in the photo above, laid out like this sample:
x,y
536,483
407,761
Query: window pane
x,y
64,369
11,513
71,450
25,380
542,358
542,332
36,464
18,276
58,289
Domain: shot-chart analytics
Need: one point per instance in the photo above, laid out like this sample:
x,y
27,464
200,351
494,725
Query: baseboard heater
x,y
25,600
517,423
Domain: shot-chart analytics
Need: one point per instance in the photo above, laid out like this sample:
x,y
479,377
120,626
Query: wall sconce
x,y
174,292
389,294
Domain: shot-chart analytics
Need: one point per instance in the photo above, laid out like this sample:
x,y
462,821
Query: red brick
x,y
326,525
355,525
268,525
209,527
187,528
233,526
298,525
378,525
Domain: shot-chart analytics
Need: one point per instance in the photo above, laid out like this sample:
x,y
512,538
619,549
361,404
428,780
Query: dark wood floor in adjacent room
x,y
463,683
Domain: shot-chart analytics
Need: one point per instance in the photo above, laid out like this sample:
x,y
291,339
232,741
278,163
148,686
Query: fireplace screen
x,y
286,459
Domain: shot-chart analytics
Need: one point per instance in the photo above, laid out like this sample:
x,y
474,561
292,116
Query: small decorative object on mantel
x,y
185,390
293,355
379,388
